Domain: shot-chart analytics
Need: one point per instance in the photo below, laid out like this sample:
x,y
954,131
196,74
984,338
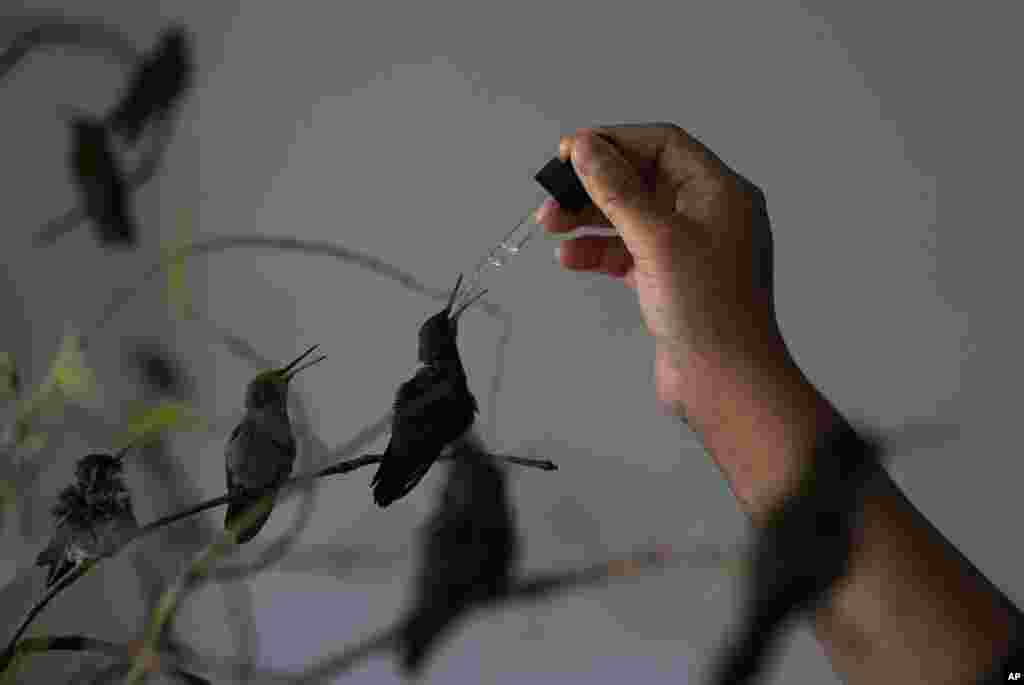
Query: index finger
x,y
663,147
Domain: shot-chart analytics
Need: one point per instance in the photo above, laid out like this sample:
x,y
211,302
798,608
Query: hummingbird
x,y
261,450
785,579
470,551
431,410
94,516
156,85
100,182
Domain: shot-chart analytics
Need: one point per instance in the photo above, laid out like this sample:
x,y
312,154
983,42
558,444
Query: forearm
x,y
911,609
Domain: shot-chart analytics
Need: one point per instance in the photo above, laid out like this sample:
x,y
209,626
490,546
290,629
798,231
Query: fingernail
x,y
604,231
558,253
544,212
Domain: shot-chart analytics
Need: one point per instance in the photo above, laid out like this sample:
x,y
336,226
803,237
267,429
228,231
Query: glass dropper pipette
x,y
560,181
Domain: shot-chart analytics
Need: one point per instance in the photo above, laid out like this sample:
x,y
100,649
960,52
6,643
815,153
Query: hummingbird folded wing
x,y
55,555
427,416
260,452
259,458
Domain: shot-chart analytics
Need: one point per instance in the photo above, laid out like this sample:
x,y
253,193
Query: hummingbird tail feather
x,y
237,508
389,487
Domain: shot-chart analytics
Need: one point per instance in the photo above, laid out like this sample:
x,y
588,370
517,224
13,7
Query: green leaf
x,y
25,440
33,442
33,641
9,382
9,674
69,372
8,500
148,423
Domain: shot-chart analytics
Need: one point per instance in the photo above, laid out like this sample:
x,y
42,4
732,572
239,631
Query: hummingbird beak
x,y
298,359
453,295
291,375
466,305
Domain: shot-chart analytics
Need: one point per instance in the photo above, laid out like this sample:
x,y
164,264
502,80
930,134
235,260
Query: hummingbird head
x,y
270,388
438,333
99,490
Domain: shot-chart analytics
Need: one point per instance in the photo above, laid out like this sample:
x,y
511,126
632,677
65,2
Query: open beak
x,y
453,296
466,305
289,371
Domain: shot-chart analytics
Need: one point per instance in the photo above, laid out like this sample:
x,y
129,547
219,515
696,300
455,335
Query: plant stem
x,y
49,32
74,574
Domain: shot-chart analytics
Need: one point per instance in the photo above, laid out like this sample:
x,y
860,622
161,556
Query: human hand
x,y
694,241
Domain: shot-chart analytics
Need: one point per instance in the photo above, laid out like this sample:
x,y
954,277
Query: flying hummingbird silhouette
x,y
260,453
100,182
431,410
156,85
470,551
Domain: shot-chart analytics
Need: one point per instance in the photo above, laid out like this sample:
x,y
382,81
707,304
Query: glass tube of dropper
x,y
558,178
511,244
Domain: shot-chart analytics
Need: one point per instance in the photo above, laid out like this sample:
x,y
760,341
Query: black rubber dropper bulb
x,y
560,180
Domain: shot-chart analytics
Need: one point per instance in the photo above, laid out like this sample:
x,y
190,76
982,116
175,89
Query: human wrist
x,y
758,416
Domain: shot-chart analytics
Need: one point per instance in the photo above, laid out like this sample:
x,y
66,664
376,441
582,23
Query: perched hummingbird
x,y
100,182
431,410
159,81
804,548
469,555
94,516
261,451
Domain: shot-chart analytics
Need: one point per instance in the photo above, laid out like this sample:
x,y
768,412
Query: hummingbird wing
x,y
156,85
421,408
261,451
55,555
259,455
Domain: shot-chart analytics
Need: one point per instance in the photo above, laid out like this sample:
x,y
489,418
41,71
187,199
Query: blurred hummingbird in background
x,y
161,374
470,551
431,410
100,181
260,453
156,85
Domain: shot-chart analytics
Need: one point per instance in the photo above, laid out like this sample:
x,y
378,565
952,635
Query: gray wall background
x,y
885,136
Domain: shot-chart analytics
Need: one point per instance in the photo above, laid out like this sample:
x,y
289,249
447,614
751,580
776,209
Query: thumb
x,y
619,191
